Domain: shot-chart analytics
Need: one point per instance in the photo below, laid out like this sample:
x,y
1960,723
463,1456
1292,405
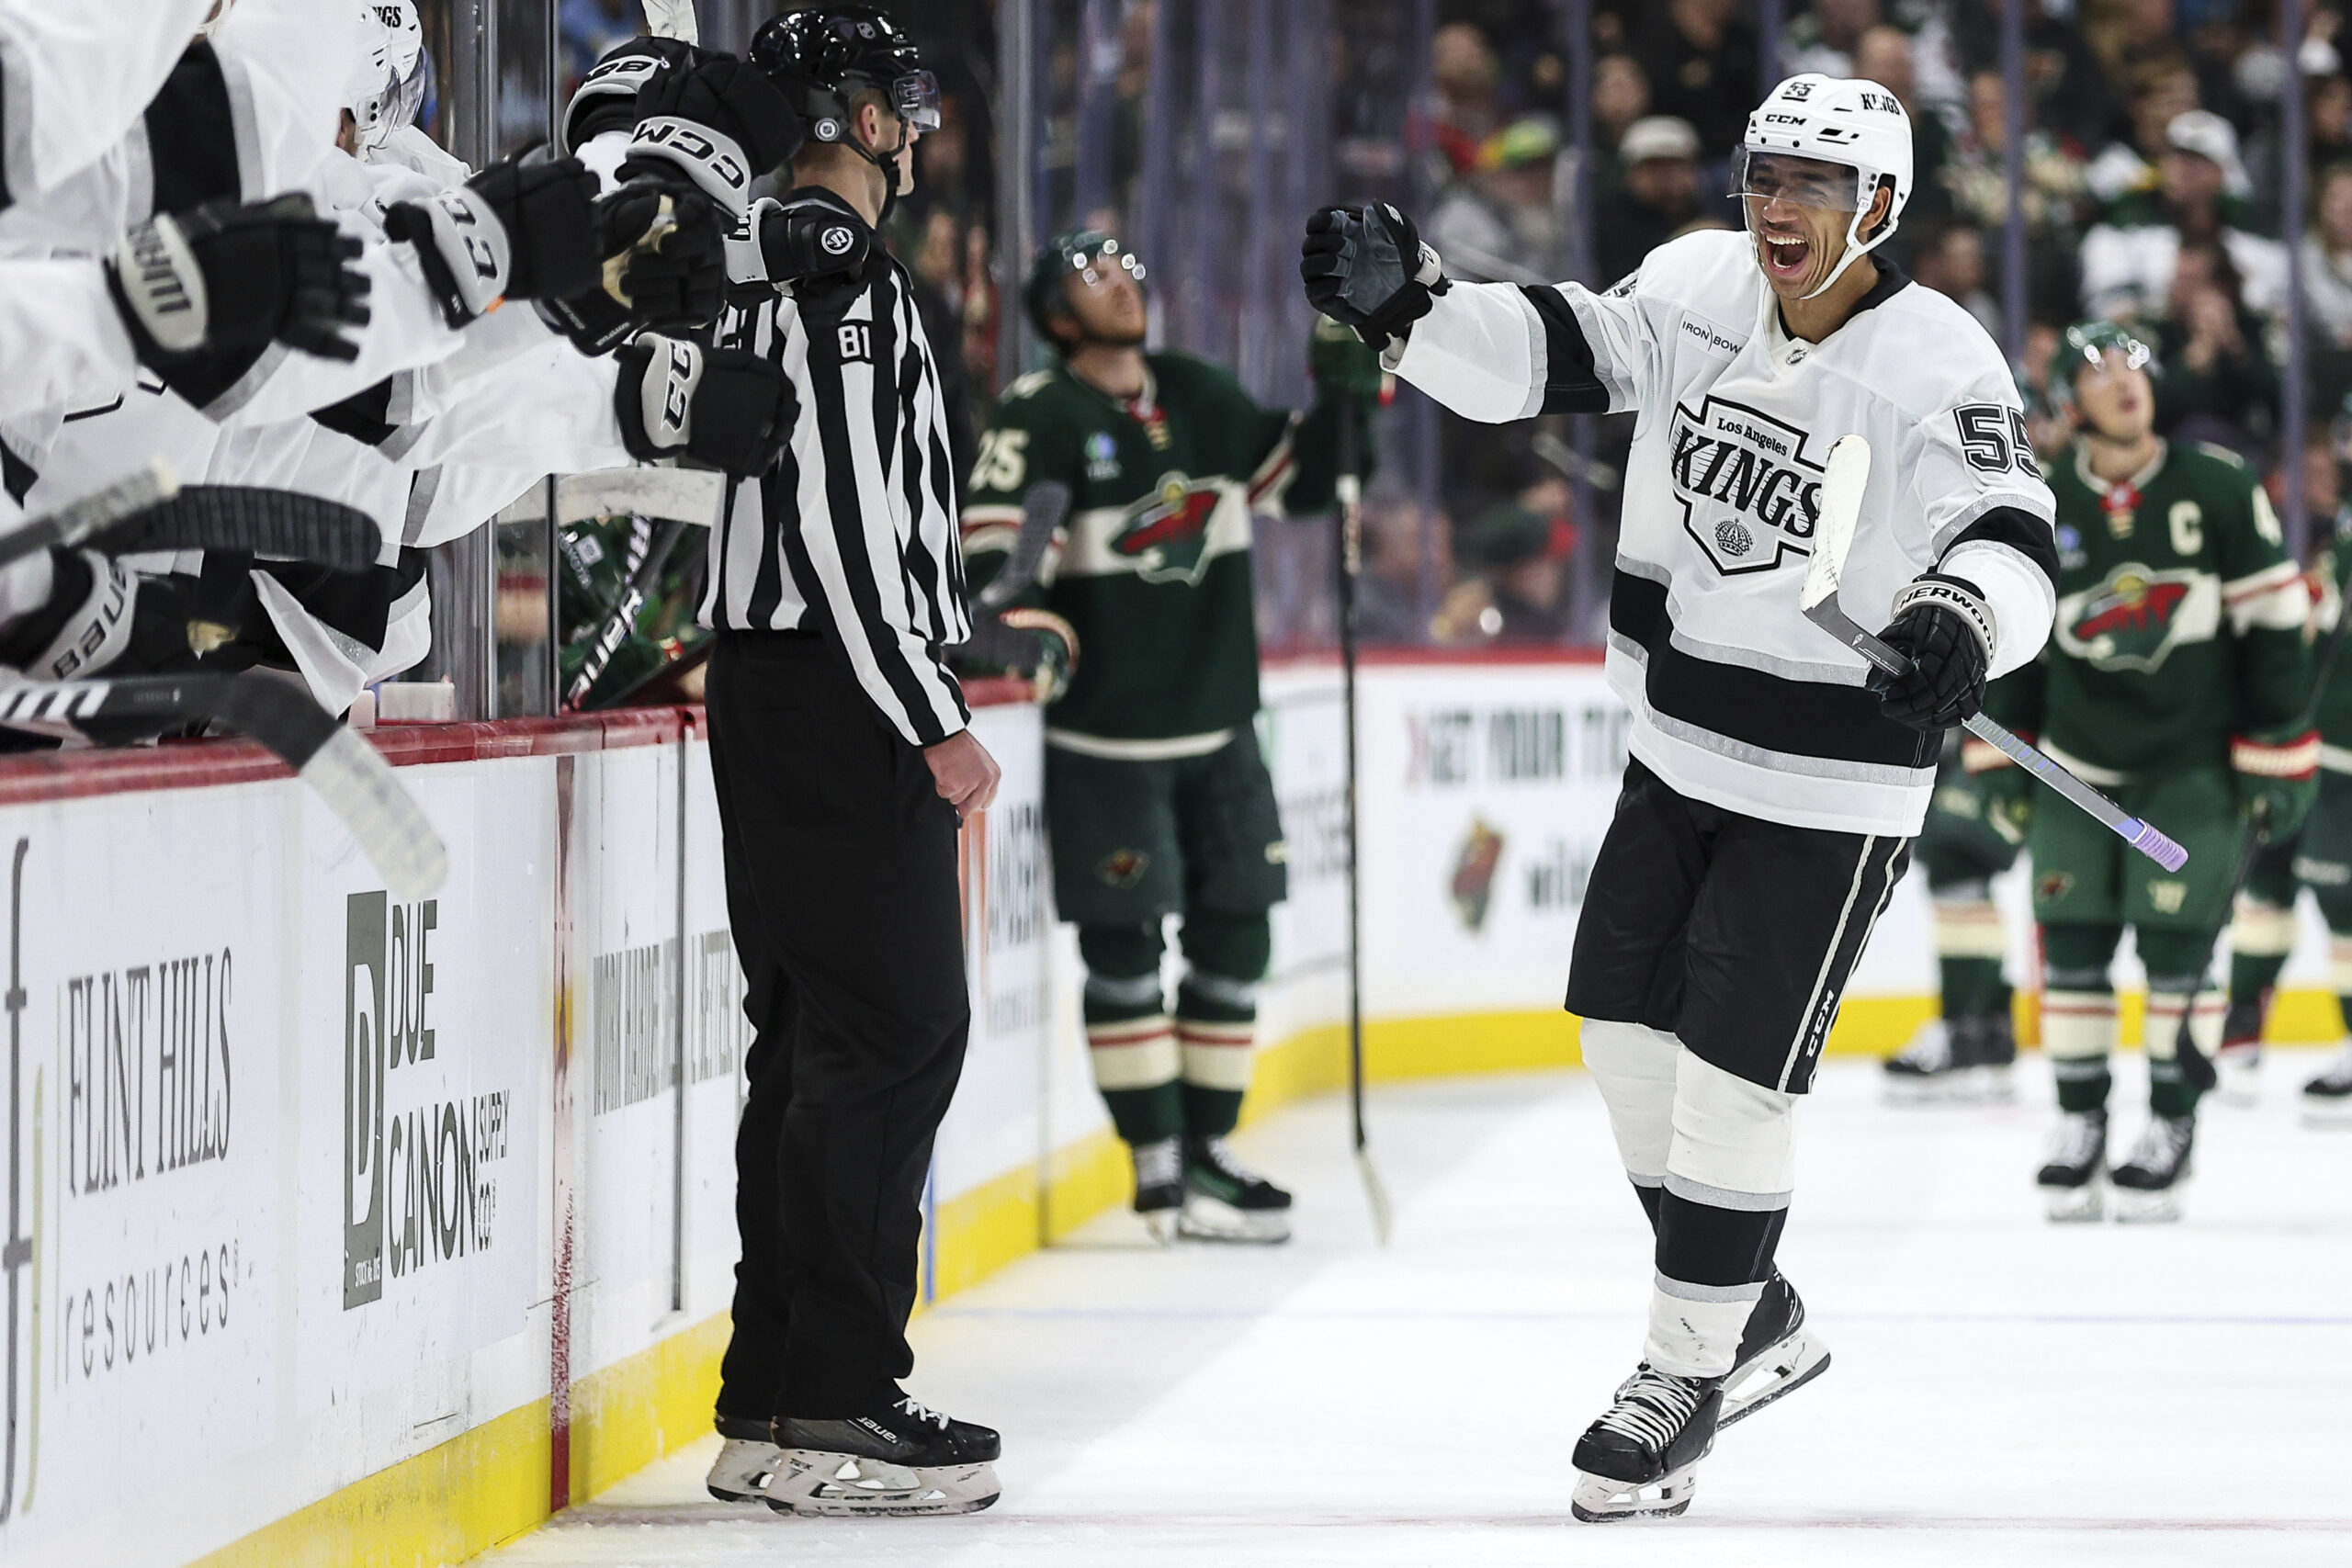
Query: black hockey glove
x,y
1368,267
1946,628
718,125
715,408
1034,643
224,277
661,247
779,243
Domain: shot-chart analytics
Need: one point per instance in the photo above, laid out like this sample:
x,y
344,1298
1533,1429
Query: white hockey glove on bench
x,y
1945,627
1369,268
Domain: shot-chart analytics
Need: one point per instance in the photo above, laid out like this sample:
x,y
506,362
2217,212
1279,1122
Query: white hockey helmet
x,y
1836,121
386,85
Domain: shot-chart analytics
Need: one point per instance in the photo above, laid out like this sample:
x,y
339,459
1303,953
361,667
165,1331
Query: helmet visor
x,y
1105,262
1757,178
915,98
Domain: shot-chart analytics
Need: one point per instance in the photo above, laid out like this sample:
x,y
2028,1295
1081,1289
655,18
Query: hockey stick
x,y
349,778
1841,505
1350,487
148,511
613,630
686,495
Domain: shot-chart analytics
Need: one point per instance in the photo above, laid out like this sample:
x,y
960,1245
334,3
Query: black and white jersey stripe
x,y
853,532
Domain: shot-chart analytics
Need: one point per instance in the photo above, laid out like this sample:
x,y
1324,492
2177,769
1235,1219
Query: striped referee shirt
x,y
853,532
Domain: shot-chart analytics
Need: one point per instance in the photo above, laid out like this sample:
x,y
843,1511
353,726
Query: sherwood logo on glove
x,y
1750,495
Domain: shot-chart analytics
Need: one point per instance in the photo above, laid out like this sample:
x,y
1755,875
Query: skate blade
x,y
2331,1115
1785,1367
1160,1226
1204,1218
2137,1206
1602,1500
833,1486
2085,1204
740,1473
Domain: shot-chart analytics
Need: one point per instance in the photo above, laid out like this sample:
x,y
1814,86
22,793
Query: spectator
x,y
1520,595
1657,198
2157,100
1974,173
2049,426
2069,89
2327,259
1400,545
588,28
1884,55
2327,110
1620,94
2219,383
2128,258
1464,70
1499,223
1825,37
1700,56
1950,259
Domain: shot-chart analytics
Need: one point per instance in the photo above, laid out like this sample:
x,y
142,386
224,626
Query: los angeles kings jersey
x,y
1737,700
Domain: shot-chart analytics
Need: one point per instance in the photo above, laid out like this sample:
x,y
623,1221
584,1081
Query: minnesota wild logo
x,y
1165,533
2135,617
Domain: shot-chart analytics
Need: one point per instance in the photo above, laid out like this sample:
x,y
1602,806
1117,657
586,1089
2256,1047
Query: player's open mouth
x,y
1786,258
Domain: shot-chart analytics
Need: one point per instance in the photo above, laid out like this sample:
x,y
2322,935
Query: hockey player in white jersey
x,y
1775,782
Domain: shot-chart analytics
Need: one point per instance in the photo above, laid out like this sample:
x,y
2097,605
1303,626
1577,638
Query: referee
x,y
843,759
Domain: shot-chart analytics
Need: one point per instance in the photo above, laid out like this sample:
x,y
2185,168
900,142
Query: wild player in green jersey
x,y
1110,513
2323,860
2174,681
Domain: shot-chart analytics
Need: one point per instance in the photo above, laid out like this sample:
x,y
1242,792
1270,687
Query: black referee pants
x,y
842,890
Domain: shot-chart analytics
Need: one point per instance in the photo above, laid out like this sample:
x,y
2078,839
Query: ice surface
x,y
2004,1390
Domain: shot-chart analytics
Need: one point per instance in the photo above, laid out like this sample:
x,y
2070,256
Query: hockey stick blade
x,y
348,777
77,520
1842,486
683,495
284,523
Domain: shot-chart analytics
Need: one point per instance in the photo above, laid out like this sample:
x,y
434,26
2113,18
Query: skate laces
x,y
2078,1138
2160,1143
1931,1049
1652,1407
917,1410
1218,1152
1159,1164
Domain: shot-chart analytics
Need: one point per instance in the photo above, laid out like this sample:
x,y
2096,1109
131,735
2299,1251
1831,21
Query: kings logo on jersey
x,y
1165,533
2136,616
1750,494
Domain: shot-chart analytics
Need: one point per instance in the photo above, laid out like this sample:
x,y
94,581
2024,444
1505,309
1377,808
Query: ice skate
x,y
2073,1177
1160,1185
901,1459
2148,1184
2327,1098
1226,1201
2237,1065
1956,1061
1640,1459
747,1457
1777,1353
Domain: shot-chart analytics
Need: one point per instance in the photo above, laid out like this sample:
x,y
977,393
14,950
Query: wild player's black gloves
x,y
1945,627
1369,267
715,408
226,277
1035,643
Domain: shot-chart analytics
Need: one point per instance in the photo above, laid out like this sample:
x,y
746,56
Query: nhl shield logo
x,y
1165,533
1750,493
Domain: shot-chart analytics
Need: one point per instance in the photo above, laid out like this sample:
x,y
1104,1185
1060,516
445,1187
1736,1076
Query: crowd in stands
x,y
2154,163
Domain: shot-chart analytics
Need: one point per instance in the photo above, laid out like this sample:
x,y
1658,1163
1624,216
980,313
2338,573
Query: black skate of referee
x,y
843,759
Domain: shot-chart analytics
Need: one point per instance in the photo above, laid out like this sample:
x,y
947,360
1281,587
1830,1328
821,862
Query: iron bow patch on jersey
x,y
1165,533
1749,494
2136,616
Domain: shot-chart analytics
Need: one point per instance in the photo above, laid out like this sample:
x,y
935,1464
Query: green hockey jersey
x,y
1151,566
2332,569
2180,621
